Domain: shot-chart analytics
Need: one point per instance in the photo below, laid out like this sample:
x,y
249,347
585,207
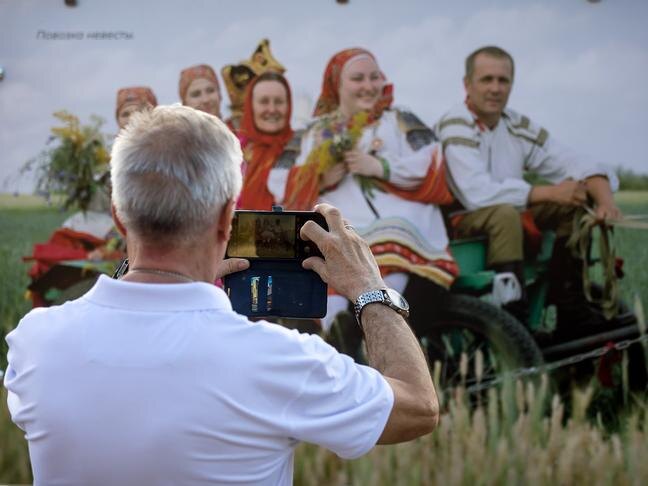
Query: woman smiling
x,y
199,89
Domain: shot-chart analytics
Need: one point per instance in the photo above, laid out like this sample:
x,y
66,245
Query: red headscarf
x,y
261,149
195,72
329,98
136,94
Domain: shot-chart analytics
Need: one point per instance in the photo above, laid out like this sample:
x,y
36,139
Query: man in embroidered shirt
x,y
153,379
489,148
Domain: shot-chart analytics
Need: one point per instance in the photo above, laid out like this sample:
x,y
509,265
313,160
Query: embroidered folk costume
x,y
398,214
487,166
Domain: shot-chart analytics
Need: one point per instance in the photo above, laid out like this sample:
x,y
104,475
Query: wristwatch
x,y
386,296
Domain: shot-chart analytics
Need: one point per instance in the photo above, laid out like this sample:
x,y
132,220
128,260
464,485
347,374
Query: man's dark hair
x,y
492,51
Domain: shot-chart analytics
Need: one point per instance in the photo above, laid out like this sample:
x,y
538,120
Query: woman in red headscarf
x,y
265,130
199,89
380,166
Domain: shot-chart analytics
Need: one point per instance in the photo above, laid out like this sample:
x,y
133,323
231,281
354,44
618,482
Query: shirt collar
x,y
157,297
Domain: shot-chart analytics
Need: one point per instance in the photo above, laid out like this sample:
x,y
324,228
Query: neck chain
x,y
166,273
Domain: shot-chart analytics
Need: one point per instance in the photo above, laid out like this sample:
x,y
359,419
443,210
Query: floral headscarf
x,y
192,73
329,98
136,94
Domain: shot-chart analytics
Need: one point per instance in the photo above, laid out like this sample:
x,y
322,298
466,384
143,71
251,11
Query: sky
x,y
581,66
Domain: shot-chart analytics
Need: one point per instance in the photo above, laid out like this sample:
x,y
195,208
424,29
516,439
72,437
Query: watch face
x,y
397,299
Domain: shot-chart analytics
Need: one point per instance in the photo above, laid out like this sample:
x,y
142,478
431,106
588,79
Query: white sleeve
x,y
341,405
13,400
470,178
16,377
407,166
557,162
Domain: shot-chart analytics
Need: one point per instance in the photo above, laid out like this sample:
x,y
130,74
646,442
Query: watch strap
x,y
373,296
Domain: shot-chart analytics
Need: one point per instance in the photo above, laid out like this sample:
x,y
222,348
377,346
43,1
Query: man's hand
x,y
363,164
567,193
231,265
348,264
333,176
599,188
608,211
570,193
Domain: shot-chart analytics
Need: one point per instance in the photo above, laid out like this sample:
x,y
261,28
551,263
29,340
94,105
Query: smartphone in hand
x,y
275,284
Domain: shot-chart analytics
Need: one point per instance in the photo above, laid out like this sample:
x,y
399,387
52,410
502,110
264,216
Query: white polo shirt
x,y
164,384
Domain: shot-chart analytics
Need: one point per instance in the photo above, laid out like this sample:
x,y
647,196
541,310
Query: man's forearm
x,y
598,187
396,353
539,194
392,347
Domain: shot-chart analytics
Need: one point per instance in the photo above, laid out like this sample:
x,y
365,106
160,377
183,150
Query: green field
x,y
488,446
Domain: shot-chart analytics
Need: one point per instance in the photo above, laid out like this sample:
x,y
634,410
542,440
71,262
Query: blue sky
x,y
581,66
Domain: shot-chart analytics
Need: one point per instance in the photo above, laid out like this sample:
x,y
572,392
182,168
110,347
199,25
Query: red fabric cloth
x,y
302,188
261,150
64,244
532,234
195,72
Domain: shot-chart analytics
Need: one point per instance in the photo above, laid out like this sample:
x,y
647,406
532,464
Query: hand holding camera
x,y
347,262
274,284
292,256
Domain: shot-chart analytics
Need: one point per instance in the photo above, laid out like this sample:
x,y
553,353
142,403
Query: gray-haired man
x,y
153,379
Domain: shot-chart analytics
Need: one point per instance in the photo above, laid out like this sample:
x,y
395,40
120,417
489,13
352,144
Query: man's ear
x,y
225,221
466,81
120,226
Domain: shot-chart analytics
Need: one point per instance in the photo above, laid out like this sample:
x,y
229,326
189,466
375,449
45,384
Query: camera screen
x,y
257,235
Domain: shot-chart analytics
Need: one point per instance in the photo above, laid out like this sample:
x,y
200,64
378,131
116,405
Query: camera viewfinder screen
x,y
257,235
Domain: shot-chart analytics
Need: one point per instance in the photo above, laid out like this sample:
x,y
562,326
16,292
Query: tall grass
x,y
514,441
632,246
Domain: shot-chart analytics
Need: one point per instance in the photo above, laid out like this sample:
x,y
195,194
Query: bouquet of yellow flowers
x,y
77,168
336,138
